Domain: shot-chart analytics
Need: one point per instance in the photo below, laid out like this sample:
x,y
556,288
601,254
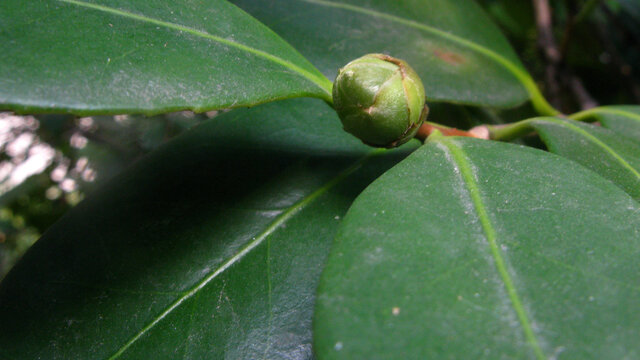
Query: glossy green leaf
x,y
606,152
460,55
152,56
475,249
209,248
624,119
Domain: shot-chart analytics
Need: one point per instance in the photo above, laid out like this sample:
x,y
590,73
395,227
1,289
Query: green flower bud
x,y
380,100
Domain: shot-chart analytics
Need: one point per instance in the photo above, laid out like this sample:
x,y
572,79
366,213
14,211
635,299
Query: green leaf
x,y
209,248
98,56
606,152
477,249
624,119
460,55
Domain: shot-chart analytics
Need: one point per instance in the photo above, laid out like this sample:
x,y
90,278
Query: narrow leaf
x,y
460,54
478,249
604,151
209,248
99,56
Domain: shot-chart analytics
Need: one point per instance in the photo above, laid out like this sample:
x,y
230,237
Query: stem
x,y
585,115
429,128
510,131
581,94
540,104
548,48
518,129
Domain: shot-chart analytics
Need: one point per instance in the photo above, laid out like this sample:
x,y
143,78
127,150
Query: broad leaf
x,y
459,54
606,152
210,248
624,119
152,56
477,249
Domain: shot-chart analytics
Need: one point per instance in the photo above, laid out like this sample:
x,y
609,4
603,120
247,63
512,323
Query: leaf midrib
x,y
466,173
259,239
323,83
596,141
605,110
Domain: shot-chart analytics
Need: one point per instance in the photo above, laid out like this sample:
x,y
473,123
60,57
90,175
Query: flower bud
x,y
380,100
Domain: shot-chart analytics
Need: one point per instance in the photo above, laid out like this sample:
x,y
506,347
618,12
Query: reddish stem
x,y
427,128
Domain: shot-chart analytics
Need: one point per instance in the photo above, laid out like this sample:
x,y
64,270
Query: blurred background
x,y
49,163
583,53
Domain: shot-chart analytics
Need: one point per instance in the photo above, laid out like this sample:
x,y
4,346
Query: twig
x,y
546,41
582,95
549,49
557,75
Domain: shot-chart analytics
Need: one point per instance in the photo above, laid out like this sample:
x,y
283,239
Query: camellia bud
x,y
380,100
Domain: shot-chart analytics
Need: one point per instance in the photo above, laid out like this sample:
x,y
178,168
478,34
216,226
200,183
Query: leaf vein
x,y
596,141
604,110
466,173
281,219
320,81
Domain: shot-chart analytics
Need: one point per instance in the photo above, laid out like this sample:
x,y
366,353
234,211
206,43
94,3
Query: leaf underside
x,y
209,248
117,56
461,57
478,249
